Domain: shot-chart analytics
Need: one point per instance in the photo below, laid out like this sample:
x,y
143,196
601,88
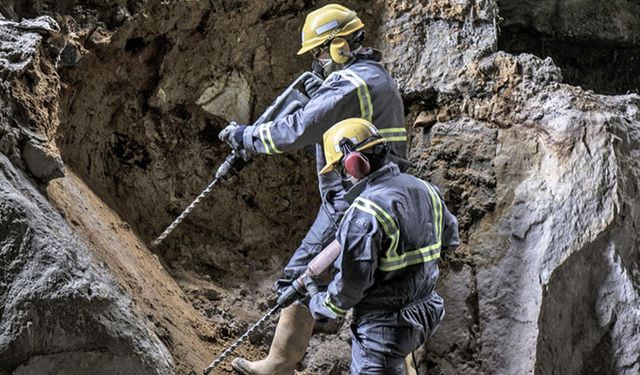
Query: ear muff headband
x,y
339,49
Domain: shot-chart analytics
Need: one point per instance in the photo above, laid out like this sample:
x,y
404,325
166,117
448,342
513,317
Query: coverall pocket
x,y
424,317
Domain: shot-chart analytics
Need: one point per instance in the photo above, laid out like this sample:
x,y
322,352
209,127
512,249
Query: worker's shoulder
x,y
367,69
423,184
376,198
358,217
358,71
397,187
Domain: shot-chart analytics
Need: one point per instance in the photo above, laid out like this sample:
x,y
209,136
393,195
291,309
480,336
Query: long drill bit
x,y
239,341
184,213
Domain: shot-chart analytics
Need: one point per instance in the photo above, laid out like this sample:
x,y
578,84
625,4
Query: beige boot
x,y
290,342
409,365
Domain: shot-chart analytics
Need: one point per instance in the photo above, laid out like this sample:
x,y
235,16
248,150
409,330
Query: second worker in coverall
x,y
390,238
356,85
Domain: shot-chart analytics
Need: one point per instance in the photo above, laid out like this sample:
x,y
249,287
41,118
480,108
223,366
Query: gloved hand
x,y
232,134
298,290
318,310
312,85
283,284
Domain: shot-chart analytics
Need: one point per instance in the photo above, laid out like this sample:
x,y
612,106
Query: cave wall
x,y
144,134
534,170
57,304
542,175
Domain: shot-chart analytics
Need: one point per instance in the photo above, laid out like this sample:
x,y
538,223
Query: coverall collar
x,y
364,53
385,172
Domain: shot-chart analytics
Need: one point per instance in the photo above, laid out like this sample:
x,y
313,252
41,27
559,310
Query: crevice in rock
x,y
572,338
604,67
596,44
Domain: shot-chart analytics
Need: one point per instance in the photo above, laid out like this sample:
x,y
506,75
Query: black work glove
x,y
283,284
312,85
232,134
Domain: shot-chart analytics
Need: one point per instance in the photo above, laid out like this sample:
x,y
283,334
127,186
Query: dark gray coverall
x,y
363,88
391,238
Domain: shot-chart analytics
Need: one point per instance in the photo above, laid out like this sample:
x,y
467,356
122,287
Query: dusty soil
x,y
196,316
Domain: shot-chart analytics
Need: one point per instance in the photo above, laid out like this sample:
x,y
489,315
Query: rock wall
x,y
542,175
535,171
29,96
61,312
80,293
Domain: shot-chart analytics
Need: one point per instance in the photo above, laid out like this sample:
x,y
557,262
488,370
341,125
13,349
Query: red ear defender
x,y
357,165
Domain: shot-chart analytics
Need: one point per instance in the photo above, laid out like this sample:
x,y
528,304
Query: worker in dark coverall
x,y
391,238
355,85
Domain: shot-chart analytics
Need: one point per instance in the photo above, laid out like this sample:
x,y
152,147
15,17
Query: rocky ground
x,y
108,121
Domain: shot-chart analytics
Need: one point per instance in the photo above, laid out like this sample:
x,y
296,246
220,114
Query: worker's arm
x,y
334,101
360,241
450,236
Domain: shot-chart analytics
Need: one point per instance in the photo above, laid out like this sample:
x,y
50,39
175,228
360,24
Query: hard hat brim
x,y
304,50
327,168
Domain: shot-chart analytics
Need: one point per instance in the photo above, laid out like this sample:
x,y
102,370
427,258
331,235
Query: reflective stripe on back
x,y
364,97
386,221
391,261
437,210
394,134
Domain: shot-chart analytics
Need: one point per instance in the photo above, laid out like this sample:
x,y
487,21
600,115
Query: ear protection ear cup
x,y
340,51
357,165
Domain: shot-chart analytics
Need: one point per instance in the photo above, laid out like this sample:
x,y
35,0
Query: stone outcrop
x,y
61,312
543,178
29,97
80,293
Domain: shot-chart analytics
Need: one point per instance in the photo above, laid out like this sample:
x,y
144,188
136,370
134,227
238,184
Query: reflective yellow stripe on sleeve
x,y
267,141
334,309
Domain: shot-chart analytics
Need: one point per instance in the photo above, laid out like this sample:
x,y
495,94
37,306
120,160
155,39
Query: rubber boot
x,y
409,365
290,342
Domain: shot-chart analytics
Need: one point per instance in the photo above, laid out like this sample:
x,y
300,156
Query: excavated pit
x,y
542,176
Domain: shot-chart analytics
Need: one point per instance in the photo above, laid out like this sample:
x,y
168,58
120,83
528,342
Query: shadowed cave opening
x,y
595,44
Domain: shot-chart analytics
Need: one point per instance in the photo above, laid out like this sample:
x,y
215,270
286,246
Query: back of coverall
x,y
362,89
391,238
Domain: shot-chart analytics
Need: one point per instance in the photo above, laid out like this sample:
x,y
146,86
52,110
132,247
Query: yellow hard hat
x,y
359,131
326,23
